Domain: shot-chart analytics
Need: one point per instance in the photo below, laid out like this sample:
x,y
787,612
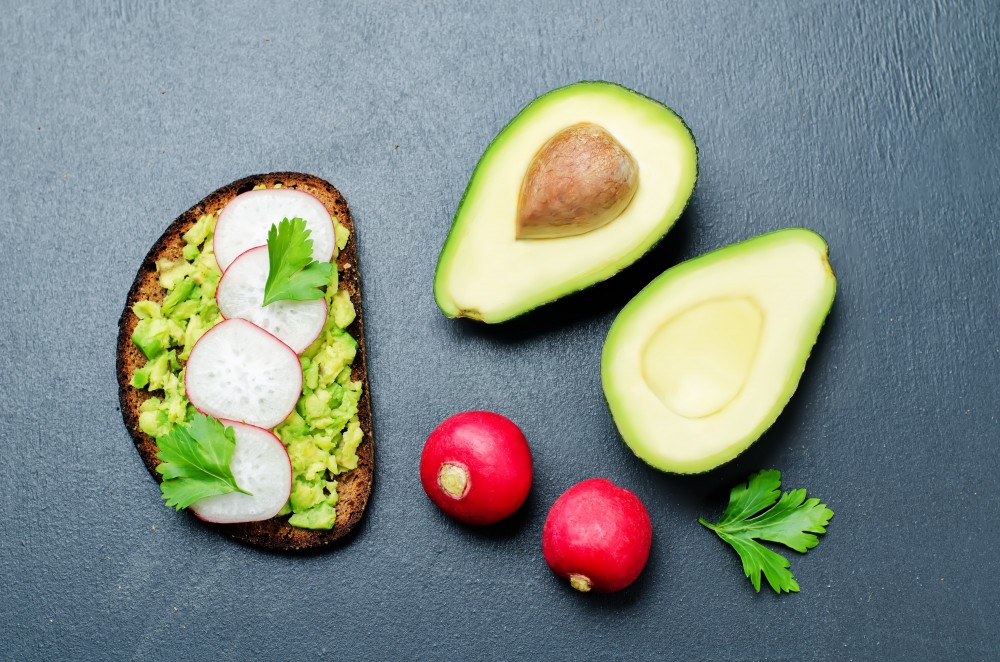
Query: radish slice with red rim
x,y
260,466
240,372
245,221
241,294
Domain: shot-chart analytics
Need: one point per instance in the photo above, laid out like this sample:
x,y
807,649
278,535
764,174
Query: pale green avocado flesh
x,y
485,273
321,435
702,361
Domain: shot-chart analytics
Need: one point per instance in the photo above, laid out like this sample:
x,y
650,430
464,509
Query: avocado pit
x,y
581,179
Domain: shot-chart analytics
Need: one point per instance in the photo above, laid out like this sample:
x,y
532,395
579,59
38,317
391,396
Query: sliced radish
x,y
239,371
261,466
241,294
244,222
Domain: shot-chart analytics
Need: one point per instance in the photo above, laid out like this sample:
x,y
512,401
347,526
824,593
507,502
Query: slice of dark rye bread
x,y
353,487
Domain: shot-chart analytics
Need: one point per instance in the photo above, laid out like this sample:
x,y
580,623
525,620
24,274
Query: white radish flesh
x,y
245,221
261,466
241,295
241,372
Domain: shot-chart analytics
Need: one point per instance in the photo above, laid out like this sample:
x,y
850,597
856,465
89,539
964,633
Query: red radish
x,y
597,535
244,222
240,372
476,467
260,466
241,294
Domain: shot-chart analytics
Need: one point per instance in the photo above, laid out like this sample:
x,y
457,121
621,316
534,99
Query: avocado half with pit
x,y
579,185
703,360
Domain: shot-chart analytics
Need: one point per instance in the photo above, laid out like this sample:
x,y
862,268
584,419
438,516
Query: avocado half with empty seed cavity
x,y
703,360
579,185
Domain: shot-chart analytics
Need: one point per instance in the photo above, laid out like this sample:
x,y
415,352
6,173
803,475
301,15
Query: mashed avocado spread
x,y
321,435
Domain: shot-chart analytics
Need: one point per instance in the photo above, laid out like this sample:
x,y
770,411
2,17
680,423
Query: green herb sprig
x,y
790,520
194,461
293,274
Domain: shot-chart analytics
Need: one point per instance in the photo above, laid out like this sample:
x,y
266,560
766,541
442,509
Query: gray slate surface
x,y
873,123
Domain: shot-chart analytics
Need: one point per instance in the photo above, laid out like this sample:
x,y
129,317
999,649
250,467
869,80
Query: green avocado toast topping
x,y
323,432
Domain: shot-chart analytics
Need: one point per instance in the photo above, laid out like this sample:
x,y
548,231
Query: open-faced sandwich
x,y
241,363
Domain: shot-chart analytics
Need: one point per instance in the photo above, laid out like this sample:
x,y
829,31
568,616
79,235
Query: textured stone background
x,y
874,125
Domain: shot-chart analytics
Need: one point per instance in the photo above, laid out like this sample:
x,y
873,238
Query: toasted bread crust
x,y
354,487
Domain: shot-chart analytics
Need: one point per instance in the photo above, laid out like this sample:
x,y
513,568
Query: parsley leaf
x,y
293,275
792,520
194,461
